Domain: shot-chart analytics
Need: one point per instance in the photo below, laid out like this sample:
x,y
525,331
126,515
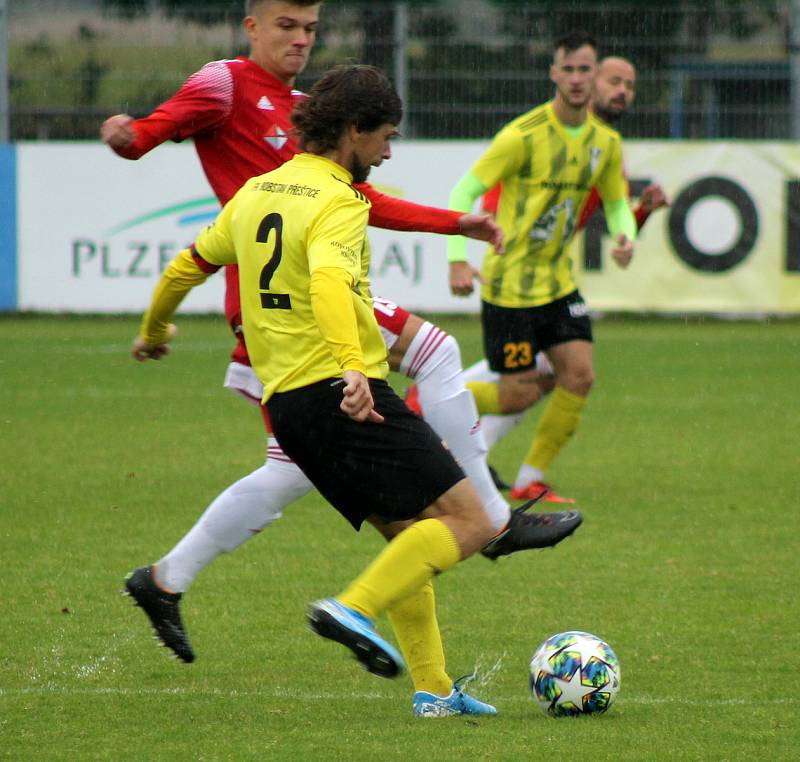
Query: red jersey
x,y
239,116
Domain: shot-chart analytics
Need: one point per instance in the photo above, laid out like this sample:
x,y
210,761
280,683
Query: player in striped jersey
x,y
548,160
613,92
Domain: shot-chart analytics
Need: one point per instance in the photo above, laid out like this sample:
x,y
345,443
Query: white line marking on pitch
x,y
300,695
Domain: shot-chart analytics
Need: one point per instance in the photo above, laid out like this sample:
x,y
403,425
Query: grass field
x,y
687,468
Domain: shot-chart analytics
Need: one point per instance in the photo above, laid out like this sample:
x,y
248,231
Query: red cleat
x,y
538,490
412,400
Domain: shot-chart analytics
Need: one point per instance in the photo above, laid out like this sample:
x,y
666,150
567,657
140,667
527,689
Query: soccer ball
x,y
574,673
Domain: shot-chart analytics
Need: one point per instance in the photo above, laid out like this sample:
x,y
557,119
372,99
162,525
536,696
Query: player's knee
x,y
579,381
447,359
450,349
518,396
546,383
473,531
479,526
464,513
483,531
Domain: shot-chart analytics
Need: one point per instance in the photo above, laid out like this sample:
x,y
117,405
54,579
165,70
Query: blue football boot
x,y
430,705
335,621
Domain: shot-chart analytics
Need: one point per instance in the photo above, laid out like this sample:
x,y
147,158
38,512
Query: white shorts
x,y
242,380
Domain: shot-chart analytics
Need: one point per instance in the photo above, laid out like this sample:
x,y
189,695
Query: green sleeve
x,y
462,199
620,219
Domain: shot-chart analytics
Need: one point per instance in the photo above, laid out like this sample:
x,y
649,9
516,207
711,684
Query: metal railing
x,y
706,70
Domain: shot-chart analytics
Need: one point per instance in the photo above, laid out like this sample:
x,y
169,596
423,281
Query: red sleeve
x,y
491,199
233,310
150,132
589,208
593,202
203,264
395,214
641,215
203,103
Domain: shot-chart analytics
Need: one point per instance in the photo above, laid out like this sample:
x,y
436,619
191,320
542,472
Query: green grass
x,y
686,466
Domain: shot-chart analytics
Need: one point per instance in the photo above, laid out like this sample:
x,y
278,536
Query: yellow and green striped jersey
x,y
546,171
279,228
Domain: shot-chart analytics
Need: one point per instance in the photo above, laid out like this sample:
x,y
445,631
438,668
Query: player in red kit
x,y
238,113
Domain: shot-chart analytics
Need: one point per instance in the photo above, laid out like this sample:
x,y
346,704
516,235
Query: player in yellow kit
x,y
298,236
548,160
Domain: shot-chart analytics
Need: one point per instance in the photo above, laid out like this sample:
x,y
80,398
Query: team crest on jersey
x,y
594,158
265,104
276,137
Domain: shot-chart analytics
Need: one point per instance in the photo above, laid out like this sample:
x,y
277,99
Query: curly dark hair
x,y
354,95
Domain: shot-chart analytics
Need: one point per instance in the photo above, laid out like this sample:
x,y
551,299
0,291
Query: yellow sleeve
x,y
214,247
215,241
332,304
336,238
612,184
502,159
335,250
180,277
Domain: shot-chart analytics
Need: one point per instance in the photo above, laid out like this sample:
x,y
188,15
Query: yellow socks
x,y
556,425
487,396
417,631
403,567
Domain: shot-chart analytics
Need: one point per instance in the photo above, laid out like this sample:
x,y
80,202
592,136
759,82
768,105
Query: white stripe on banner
x,y
729,243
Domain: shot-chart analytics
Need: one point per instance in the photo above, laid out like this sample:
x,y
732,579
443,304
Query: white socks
x,y
433,360
236,515
495,427
526,475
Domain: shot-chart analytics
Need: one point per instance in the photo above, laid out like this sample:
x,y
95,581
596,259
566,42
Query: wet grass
x,y
686,466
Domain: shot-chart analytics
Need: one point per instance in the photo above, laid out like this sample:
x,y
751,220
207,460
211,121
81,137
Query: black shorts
x,y
394,469
513,335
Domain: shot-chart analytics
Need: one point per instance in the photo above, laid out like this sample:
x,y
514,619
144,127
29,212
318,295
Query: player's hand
x,y
622,251
117,131
653,197
358,403
462,278
482,227
142,351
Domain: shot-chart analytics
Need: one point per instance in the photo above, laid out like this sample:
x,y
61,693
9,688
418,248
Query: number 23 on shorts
x,y
518,354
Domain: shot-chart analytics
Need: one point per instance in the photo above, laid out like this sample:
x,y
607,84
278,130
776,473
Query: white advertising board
x,y
94,230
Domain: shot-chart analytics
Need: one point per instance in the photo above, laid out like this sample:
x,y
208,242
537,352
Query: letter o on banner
x,y
736,195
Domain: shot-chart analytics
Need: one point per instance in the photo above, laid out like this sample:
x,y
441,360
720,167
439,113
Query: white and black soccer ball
x,y
574,673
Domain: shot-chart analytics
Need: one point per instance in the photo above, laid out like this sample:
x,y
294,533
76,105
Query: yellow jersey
x,y
279,228
547,173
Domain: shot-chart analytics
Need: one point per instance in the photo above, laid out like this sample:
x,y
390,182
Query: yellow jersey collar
x,y
315,161
561,128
